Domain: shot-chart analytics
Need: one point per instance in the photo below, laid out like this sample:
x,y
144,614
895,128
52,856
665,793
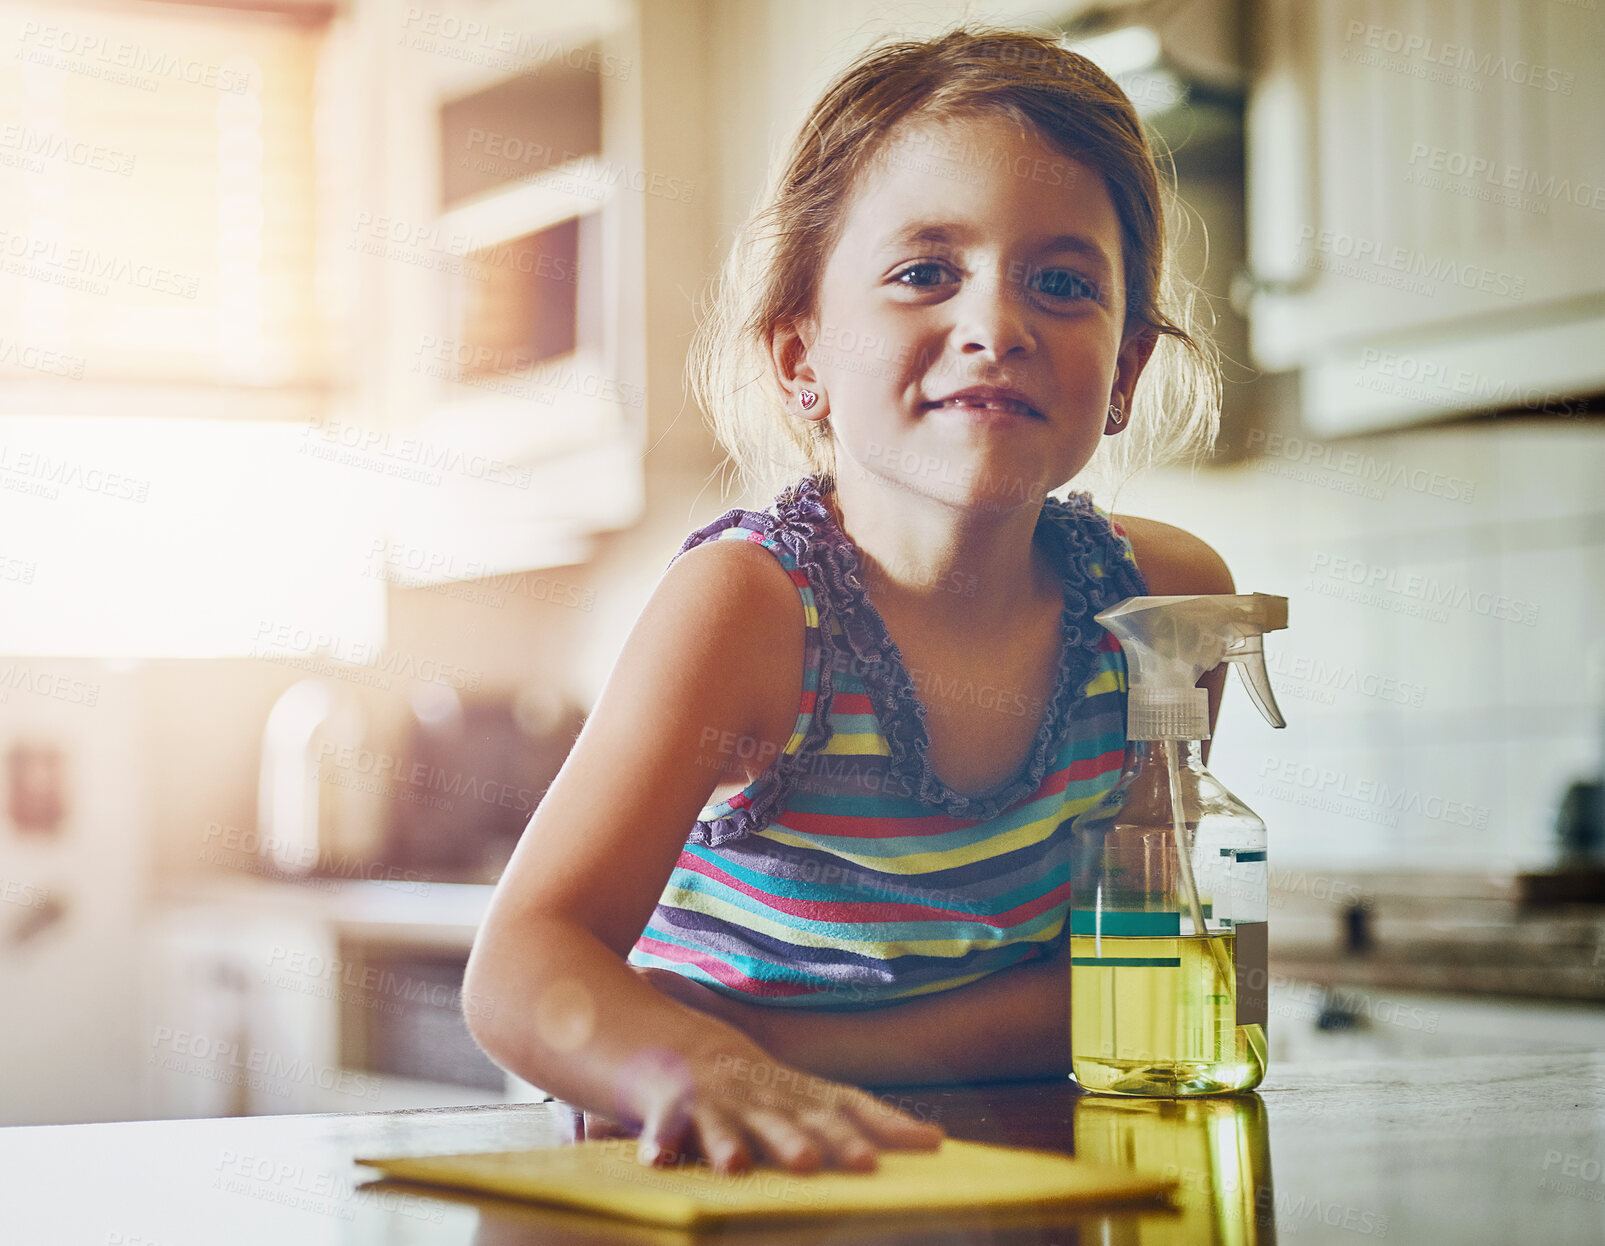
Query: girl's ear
x,y
1135,352
799,383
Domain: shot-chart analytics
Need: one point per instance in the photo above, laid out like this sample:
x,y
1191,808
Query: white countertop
x,y
443,914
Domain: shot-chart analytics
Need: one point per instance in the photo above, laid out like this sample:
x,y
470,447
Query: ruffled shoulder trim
x,y
1098,571
1117,562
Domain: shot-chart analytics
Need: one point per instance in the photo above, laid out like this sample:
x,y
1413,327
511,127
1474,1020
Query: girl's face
x,y
972,256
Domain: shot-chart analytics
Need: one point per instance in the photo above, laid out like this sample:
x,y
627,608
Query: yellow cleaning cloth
x,y
603,1175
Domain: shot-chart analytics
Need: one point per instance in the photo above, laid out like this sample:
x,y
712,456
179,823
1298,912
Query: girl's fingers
x,y
664,1133
844,1129
783,1140
844,1141
721,1143
890,1127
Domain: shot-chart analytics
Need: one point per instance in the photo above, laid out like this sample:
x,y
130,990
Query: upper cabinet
x,y
159,230
401,241
490,235
1426,206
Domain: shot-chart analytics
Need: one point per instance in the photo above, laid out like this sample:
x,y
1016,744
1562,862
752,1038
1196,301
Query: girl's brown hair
x,y
772,276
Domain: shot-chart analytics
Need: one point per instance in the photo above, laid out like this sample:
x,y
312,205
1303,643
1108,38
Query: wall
x,y
1446,587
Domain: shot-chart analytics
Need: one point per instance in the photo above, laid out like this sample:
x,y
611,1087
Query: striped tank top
x,y
848,874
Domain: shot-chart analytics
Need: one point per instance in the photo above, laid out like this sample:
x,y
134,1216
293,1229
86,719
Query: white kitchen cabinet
x,y
215,1042
275,998
1426,206
491,227
336,237
71,1043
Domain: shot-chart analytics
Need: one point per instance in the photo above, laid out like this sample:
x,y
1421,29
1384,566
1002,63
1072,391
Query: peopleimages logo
x,y
224,1059
458,361
1366,469
407,779
46,683
1406,267
1320,678
34,255
1426,50
46,145
40,359
1581,1176
52,474
1354,579
25,895
1437,384
276,638
1507,177
481,43
373,980
383,449
224,844
145,66
577,170
1332,787
1293,1213
305,1189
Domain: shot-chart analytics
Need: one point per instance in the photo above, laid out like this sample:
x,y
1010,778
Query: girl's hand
x,y
735,1105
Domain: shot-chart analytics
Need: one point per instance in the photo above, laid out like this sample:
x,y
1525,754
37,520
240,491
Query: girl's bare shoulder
x,y
731,608
1173,561
736,585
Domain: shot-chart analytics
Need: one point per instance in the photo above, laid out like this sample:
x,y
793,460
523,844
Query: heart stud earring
x,y
807,398
1116,415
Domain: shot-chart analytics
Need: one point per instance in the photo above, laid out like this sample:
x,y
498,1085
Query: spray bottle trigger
x,y
1249,655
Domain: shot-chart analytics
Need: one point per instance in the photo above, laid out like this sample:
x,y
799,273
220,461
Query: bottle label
x,y
1162,924
1253,978
1113,923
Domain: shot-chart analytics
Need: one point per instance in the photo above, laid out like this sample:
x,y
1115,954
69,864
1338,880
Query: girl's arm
x,y
1012,1024
548,993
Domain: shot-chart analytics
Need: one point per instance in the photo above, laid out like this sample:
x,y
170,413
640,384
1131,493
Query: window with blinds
x,y
158,195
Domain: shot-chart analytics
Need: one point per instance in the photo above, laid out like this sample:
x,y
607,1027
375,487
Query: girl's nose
x,y
993,319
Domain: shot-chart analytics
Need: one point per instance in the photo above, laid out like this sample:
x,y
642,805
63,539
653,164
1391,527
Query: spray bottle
x,y
1169,881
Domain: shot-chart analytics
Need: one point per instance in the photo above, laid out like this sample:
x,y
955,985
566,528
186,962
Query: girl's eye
x,y
1056,283
921,275
1061,283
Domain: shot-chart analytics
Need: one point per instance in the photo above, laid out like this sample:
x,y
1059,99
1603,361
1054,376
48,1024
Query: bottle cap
x,y
1167,713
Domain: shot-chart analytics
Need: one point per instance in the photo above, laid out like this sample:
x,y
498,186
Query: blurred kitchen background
x,y
343,435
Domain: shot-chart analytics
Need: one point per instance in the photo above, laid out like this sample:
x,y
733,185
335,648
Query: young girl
x,y
814,834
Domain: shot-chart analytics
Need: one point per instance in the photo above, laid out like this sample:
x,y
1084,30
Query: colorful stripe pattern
x,y
847,874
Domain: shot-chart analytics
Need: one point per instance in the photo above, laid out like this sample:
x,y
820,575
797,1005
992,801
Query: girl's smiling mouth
x,y
990,398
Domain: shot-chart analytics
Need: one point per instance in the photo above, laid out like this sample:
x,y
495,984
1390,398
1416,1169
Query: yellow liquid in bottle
x,y
1154,1016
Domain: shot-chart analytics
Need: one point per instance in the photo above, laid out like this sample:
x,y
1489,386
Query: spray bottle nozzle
x,y
1249,655
1171,641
